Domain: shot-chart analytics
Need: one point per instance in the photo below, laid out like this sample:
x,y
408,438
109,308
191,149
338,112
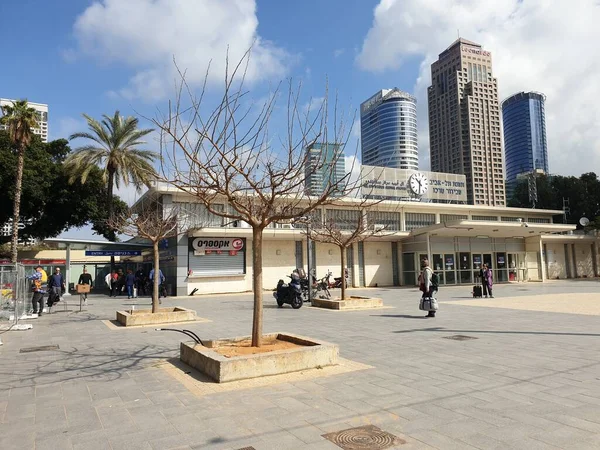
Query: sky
x,y
96,57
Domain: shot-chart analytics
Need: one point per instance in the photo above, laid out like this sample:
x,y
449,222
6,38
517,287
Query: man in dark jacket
x,y
56,286
85,278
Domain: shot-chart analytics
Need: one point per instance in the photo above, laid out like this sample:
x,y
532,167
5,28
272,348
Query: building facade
x,y
464,121
519,245
525,145
388,129
42,117
324,166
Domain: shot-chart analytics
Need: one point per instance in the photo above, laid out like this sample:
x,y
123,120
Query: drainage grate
x,y
247,448
368,437
460,337
43,348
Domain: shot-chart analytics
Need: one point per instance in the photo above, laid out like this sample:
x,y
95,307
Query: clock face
x,y
418,184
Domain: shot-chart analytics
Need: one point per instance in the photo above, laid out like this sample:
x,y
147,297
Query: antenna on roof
x,y
458,33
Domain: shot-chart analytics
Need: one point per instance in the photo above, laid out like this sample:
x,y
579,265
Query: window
x,y
538,220
418,220
485,218
451,217
195,215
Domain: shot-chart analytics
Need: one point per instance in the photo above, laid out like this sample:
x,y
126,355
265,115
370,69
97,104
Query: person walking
x,y
129,282
56,284
426,284
40,285
85,278
161,280
114,283
120,282
487,281
139,282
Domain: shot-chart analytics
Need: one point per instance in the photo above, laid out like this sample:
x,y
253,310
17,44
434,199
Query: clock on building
x,y
418,183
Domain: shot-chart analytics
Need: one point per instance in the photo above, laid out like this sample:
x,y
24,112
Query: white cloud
x,y
147,34
539,45
338,52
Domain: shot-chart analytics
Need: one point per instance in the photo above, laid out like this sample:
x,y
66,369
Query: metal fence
x,y
15,294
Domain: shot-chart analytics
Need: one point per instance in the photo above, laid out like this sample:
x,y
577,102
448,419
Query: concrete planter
x,y
351,303
140,317
310,355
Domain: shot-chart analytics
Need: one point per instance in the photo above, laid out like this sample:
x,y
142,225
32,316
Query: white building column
x,y
543,257
67,270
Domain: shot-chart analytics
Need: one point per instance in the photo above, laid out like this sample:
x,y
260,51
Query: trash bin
x,y
71,287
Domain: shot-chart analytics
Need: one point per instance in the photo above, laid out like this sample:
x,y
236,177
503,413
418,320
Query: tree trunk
x,y
109,207
17,204
343,263
257,286
155,282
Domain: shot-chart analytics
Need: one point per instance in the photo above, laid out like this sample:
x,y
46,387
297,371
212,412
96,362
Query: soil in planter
x,y
241,348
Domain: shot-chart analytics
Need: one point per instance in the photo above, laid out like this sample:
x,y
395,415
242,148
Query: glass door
x,y
512,267
450,269
501,267
464,264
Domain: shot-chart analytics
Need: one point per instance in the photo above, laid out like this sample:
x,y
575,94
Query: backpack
x,y
435,280
44,277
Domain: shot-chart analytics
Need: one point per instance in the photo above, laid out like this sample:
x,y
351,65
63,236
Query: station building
x,y
520,245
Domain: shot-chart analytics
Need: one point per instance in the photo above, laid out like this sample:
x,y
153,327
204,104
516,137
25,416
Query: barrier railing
x,y
14,294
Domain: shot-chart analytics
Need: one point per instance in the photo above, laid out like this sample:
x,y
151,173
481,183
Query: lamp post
x,y
306,220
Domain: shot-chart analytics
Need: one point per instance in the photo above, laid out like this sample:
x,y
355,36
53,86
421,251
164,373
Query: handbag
x,y
428,304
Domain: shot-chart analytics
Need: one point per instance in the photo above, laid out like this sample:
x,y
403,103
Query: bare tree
x,y
227,152
362,220
148,220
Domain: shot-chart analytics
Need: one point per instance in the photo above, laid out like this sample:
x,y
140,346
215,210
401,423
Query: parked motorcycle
x,y
319,288
337,281
290,293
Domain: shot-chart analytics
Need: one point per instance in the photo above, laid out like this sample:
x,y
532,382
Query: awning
x,y
490,229
86,244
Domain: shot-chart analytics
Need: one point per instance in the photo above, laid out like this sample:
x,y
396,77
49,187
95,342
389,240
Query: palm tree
x,y
114,149
19,120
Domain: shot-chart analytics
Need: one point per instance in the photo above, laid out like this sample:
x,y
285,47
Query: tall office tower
x,y
388,130
325,165
525,146
42,119
464,121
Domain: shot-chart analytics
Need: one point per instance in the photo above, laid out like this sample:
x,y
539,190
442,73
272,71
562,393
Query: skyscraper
x,y
525,146
325,165
388,129
464,121
42,119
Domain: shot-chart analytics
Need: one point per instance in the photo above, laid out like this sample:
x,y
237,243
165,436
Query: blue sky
x,y
96,57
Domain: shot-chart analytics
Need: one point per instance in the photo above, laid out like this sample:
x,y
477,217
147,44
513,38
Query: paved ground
x,y
531,379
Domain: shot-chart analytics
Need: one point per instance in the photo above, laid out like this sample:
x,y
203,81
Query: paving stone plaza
x,y
520,371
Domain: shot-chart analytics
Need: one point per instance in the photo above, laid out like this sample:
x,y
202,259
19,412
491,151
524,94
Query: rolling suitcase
x,y
477,291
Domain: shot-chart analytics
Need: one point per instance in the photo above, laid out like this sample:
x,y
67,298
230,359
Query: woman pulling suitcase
x,y
428,284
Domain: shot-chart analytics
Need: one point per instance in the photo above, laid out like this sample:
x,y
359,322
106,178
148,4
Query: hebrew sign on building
x,y
413,185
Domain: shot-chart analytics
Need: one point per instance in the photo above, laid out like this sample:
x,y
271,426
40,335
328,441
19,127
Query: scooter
x,y
290,293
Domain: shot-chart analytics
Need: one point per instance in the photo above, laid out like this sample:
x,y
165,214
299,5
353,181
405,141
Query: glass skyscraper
x,y
388,129
525,146
324,165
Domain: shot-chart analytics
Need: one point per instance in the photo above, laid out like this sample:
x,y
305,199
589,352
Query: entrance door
x,y
465,276
501,267
517,269
443,265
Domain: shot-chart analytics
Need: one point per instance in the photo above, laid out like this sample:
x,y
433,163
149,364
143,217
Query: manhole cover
x,y
460,337
368,437
43,348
